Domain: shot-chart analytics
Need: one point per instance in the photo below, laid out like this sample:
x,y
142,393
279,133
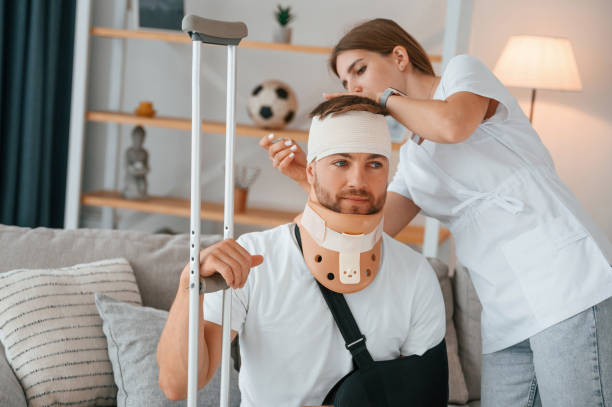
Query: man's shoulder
x,y
278,235
414,265
394,249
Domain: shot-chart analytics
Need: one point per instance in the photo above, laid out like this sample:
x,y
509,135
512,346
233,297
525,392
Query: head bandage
x,y
351,132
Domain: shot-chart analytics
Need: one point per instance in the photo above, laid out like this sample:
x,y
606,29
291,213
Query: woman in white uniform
x,y
539,264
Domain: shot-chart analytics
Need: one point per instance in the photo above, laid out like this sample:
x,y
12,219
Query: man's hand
x,y
227,258
287,157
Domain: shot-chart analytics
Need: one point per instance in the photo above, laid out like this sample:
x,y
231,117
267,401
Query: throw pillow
x,y
133,333
458,389
52,332
467,321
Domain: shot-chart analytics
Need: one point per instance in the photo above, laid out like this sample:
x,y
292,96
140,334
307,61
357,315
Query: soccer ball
x,y
272,105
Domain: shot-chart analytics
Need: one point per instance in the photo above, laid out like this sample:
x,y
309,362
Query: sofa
x,y
132,316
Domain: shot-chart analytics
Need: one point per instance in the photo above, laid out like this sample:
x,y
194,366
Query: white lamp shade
x,y
538,63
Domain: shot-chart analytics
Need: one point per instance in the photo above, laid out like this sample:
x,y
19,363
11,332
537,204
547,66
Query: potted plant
x,y
284,17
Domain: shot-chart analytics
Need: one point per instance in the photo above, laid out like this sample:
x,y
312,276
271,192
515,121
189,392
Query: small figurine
x,y
137,167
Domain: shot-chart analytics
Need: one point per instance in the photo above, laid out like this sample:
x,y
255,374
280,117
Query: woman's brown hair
x,y
382,35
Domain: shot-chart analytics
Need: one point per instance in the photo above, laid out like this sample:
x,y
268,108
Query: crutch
x,y
203,30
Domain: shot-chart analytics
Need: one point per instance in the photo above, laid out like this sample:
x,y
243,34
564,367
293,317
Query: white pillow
x,y
133,333
52,332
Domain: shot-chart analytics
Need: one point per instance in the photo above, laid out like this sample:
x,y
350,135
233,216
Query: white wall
x,y
576,127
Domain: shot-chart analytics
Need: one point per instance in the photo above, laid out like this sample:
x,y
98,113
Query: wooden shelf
x,y
180,37
181,207
214,211
207,126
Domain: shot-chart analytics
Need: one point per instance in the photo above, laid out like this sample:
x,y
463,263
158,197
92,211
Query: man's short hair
x,y
347,103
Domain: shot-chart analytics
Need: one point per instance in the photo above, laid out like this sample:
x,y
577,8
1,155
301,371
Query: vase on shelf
x,y
240,199
282,34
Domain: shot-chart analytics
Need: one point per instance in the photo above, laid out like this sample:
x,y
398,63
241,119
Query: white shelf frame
x,y
456,40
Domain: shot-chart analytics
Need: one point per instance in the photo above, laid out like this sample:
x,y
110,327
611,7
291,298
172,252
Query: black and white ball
x,y
272,105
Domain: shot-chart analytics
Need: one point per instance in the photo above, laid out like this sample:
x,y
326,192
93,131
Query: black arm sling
x,y
408,381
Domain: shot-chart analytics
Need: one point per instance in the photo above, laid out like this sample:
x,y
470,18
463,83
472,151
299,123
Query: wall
x,y
576,127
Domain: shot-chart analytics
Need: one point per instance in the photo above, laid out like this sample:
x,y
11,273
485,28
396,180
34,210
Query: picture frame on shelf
x,y
165,15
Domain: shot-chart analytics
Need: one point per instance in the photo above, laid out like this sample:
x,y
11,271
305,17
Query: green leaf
x,y
284,15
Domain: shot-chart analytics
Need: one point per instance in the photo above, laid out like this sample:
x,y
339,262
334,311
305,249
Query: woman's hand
x,y
287,157
375,96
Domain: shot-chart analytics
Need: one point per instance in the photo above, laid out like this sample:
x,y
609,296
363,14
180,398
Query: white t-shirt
x,y
534,255
292,351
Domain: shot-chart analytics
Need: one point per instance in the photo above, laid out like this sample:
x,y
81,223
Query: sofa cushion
x,y
157,260
52,333
11,393
133,333
458,389
467,322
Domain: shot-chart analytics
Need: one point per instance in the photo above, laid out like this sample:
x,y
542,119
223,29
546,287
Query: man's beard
x,y
333,203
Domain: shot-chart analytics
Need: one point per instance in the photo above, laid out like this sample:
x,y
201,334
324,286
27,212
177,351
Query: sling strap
x,y
354,340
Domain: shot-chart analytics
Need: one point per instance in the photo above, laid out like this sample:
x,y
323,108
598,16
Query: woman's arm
x,y
399,211
443,121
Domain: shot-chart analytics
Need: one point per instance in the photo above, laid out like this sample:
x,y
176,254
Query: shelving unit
x,y
207,126
214,211
179,206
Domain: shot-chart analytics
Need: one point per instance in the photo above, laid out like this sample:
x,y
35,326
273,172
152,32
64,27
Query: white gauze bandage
x,y
350,132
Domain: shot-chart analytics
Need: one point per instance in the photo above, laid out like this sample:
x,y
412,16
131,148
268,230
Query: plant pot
x,y
282,34
240,199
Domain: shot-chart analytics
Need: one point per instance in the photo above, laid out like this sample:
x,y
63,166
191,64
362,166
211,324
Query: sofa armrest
x,y
11,393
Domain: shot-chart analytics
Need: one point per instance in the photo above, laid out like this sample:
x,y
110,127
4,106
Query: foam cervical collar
x,y
341,250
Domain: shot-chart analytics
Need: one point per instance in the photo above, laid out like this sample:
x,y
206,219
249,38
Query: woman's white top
x,y
534,255
292,352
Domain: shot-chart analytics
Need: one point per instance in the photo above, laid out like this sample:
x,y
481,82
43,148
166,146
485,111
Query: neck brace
x,y
341,250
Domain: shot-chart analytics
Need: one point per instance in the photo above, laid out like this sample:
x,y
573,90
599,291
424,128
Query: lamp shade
x,y
536,62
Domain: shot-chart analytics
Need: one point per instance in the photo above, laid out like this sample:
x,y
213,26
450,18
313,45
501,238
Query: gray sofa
x,y
157,261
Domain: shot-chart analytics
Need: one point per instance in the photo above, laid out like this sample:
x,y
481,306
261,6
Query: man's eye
x,y
340,163
361,70
376,164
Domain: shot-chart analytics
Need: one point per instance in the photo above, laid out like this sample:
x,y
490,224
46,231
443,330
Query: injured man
x,y
385,349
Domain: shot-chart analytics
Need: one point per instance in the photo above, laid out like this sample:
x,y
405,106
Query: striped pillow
x,y
52,332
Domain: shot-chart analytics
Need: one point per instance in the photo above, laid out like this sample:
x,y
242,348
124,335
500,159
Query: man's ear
x,y
310,172
400,57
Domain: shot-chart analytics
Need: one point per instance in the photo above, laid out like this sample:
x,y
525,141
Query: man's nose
x,y
356,177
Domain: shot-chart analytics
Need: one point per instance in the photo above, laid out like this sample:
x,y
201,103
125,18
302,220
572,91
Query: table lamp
x,y
536,62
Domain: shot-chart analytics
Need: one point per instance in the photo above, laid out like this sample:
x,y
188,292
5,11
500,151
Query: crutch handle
x,y
214,31
213,283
